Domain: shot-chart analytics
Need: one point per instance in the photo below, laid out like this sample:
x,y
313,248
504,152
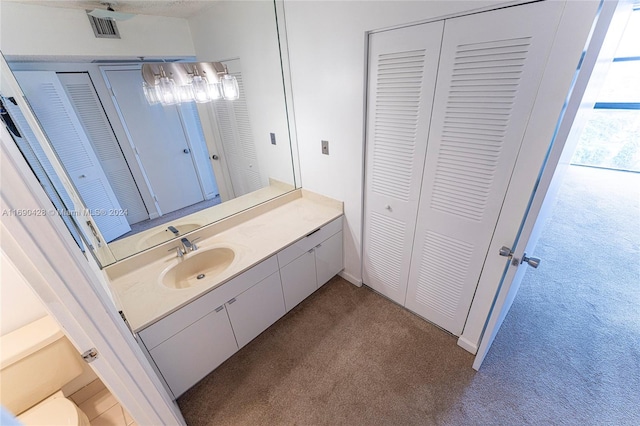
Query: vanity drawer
x,y
168,326
305,244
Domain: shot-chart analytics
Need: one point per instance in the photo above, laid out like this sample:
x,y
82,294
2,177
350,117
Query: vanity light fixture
x,y
177,82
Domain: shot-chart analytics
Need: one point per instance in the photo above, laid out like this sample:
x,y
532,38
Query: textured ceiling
x,y
172,8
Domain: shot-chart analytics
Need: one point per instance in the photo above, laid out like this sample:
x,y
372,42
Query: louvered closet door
x,y
490,68
402,74
236,138
87,106
60,123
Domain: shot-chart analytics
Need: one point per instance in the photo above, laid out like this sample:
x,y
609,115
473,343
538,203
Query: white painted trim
x,y
288,89
468,345
351,278
47,256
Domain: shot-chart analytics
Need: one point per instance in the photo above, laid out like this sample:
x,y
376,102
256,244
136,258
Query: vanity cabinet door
x,y
256,309
188,356
299,279
329,259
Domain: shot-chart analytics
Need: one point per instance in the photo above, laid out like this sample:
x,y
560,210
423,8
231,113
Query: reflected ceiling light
x,y
174,83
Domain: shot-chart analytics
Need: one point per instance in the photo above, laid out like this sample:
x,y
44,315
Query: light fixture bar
x,y
176,82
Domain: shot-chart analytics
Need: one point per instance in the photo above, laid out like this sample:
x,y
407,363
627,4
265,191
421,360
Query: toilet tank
x,y
35,362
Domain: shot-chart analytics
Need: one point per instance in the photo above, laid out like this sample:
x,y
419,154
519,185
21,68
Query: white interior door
x,y
606,34
402,77
490,70
158,136
61,125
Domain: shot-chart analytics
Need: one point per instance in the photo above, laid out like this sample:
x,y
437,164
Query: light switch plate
x,y
325,147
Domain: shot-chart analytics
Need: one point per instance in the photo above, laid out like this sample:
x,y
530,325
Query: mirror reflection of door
x,y
59,121
167,150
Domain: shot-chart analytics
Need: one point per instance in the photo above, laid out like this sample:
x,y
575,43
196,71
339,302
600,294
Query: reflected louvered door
x,y
85,102
237,140
490,69
61,125
402,75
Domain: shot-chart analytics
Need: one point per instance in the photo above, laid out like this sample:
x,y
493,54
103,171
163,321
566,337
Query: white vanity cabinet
x,y
192,341
310,262
186,357
253,311
189,343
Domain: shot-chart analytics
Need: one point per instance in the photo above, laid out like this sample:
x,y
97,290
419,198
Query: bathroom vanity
x,y
190,313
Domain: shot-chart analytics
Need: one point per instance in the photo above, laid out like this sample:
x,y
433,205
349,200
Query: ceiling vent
x,y
103,28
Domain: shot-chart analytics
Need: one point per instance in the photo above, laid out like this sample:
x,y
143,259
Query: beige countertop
x,y
145,300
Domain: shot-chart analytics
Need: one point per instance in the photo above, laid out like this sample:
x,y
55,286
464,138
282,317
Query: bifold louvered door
x,y
490,67
236,138
61,125
402,76
95,123
490,70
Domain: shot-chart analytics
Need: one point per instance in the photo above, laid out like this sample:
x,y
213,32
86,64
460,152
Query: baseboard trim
x,y
467,345
353,280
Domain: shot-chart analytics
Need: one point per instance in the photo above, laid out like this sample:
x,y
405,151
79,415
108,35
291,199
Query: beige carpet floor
x,y
568,352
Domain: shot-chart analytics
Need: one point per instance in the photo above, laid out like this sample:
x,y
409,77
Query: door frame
x,y
604,38
74,293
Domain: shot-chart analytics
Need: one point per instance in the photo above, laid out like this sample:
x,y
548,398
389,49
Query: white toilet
x,y
36,361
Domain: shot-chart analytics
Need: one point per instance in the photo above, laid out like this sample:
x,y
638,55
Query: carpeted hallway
x,y
567,353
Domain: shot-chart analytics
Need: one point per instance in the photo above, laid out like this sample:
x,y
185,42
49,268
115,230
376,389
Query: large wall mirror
x,y
128,175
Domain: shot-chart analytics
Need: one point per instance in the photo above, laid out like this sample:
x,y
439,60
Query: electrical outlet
x,y
325,147
273,138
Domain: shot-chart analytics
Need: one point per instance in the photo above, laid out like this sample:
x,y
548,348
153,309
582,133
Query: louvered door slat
x,y
490,68
402,74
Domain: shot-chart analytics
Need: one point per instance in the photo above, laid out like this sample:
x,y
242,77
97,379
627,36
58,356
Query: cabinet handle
x,y
319,245
231,301
219,308
311,251
311,233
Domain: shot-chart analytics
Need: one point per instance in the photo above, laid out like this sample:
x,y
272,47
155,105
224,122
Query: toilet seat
x,y
54,411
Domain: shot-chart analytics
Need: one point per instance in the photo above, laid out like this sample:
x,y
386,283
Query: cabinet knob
x,y
388,207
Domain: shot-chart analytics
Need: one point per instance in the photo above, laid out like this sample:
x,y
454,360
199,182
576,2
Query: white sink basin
x,y
197,268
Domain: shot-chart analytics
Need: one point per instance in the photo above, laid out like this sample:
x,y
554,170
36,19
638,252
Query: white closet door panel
x,y
490,69
237,139
60,123
87,106
158,135
402,75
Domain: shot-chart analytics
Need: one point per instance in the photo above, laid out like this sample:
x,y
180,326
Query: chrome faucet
x,y
174,230
188,245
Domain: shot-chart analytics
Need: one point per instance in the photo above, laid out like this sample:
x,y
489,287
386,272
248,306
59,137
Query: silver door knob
x,y
388,207
534,262
214,157
186,150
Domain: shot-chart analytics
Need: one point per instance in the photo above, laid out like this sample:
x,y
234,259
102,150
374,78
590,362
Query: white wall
x,y
247,30
41,30
327,53
19,304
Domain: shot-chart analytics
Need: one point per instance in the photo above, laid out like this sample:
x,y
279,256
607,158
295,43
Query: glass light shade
x,y
150,93
168,91
230,89
215,91
200,87
186,93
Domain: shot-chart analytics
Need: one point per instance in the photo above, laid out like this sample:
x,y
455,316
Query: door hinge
x,y
90,355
